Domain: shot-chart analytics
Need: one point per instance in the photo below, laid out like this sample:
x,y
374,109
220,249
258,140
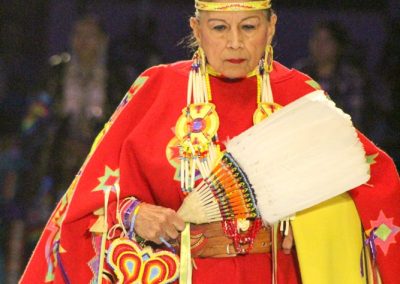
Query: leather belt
x,y
209,240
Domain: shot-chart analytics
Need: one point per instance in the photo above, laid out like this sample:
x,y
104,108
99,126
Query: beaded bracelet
x,y
132,225
128,211
125,204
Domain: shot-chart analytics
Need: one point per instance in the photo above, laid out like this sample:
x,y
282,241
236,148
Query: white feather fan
x,y
302,155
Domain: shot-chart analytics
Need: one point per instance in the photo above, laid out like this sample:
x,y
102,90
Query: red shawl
x,y
132,150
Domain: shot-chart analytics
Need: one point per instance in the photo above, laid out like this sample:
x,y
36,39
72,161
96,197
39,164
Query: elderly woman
x,y
117,223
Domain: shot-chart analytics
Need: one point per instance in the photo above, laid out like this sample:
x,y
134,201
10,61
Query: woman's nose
x,y
235,39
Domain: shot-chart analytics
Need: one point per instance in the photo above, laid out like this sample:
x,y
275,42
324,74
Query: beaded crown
x,y
232,6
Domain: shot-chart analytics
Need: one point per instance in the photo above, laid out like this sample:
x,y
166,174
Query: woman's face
x,y
233,42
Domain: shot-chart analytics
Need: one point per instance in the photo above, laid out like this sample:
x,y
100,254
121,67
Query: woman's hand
x,y
155,222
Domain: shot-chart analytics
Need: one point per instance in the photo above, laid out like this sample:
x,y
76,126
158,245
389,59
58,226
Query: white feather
x,y
300,156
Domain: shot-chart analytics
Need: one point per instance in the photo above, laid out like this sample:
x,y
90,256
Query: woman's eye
x,y
219,28
249,27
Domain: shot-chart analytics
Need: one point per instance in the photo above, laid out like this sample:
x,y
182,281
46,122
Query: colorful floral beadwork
x,y
133,264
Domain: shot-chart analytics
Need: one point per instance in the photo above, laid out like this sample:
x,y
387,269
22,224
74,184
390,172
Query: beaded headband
x,y
233,6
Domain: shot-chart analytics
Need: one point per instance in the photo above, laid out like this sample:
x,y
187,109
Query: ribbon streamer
x,y
185,271
370,242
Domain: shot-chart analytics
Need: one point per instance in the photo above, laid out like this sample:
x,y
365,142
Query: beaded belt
x,y
209,240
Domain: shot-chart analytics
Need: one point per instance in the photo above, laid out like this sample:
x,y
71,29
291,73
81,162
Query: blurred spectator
x,y
336,64
63,118
330,65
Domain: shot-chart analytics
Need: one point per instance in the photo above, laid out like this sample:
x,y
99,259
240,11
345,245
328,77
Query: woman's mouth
x,y
236,61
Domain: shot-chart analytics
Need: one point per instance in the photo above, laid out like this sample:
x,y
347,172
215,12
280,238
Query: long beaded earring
x,y
202,56
265,99
198,87
268,58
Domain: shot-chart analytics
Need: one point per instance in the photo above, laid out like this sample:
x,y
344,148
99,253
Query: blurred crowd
x,y
46,130
46,134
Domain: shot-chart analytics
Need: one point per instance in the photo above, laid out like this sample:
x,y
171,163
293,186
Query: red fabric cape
x,y
67,250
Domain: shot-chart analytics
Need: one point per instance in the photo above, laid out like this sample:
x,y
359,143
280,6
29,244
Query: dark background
x,y
32,31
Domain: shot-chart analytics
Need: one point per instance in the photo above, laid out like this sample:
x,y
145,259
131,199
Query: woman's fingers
x,y
171,232
178,222
155,222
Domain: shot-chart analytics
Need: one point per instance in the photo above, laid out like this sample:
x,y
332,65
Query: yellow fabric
x,y
329,241
185,269
240,6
